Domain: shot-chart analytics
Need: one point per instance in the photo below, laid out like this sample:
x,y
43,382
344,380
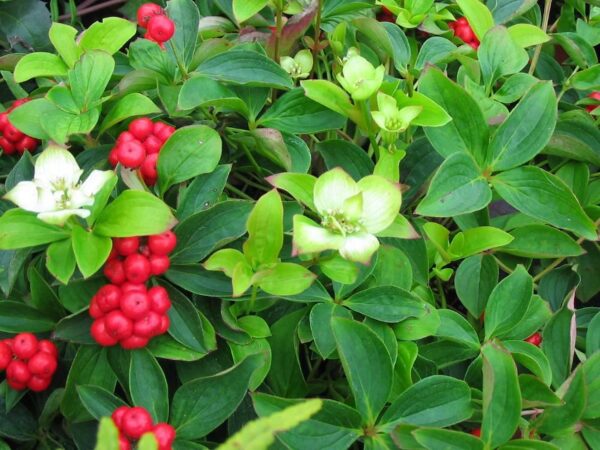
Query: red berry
x,y
6,355
146,12
42,364
18,102
135,305
596,96
131,154
165,132
144,250
125,136
161,28
48,347
114,271
118,325
100,335
25,345
126,246
113,158
7,146
152,144
163,243
27,143
18,372
165,323
136,421
159,299
11,133
133,342
535,339
165,435
108,297
148,168
133,287
141,128
95,312
16,385
148,326
462,21
137,268
3,120
159,264
10,343
124,443
39,384
117,415
476,432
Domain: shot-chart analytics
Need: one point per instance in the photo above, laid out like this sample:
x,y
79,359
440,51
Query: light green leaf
x,y
91,250
527,35
479,16
134,104
89,78
62,37
285,279
109,35
499,55
265,230
39,64
245,9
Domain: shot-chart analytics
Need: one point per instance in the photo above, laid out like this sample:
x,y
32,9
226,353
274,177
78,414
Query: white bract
x,y
55,192
351,212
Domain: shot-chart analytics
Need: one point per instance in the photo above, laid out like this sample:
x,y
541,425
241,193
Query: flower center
x,y
337,222
392,123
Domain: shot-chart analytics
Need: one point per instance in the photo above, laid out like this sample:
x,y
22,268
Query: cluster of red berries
x,y
595,95
29,363
11,139
135,422
463,31
126,312
138,148
535,339
159,28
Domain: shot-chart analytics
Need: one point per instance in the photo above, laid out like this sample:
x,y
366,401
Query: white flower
x,y
55,192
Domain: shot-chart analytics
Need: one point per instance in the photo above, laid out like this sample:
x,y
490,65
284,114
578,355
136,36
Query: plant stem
x,y
503,266
538,48
235,190
182,69
441,292
315,49
252,298
367,116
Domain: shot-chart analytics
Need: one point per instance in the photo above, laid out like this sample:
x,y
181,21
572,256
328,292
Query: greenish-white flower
x,y
391,118
359,78
351,214
55,193
300,65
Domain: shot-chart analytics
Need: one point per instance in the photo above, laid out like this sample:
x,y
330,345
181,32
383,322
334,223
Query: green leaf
x,y
247,68
535,393
205,231
508,302
580,51
591,374
350,157
186,16
260,434
333,97
468,130
134,213
90,367
537,314
17,317
367,366
39,64
203,91
201,405
432,115
148,385
499,55
21,229
386,304
501,395
455,327
437,401
527,129
478,239
544,196
530,357
245,9
265,230
527,35
474,281
108,435
557,344
75,328
321,316
541,241
573,138
109,35
63,38
416,328
587,79
25,34
131,105
479,16
295,113
203,192
514,87
190,151
43,296
60,260
592,343
98,401
91,250
435,439
89,78
148,442
285,279
457,187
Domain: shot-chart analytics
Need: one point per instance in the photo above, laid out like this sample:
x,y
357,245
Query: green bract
x,y
359,78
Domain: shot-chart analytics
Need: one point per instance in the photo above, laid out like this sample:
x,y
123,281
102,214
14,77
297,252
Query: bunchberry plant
x,y
299,224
